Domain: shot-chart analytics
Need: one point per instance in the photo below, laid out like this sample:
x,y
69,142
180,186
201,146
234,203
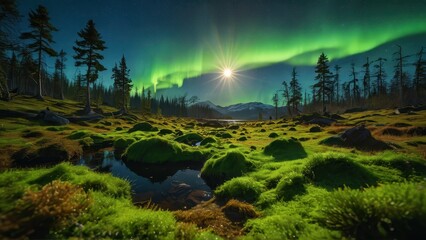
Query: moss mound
x,y
273,135
282,149
239,211
143,126
159,150
224,135
190,139
165,131
241,188
331,170
233,164
122,143
207,140
290,186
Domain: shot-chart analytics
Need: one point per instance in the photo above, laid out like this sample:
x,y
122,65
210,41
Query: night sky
x,y
182,46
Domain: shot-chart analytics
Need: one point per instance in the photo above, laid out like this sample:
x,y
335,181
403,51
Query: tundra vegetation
x,y
299,184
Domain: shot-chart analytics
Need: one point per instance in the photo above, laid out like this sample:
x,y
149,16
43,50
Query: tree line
x,y
25,71
366,87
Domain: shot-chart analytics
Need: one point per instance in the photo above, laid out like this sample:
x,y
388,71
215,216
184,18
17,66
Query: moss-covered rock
x,y
283,149
290,186
122,143
143,126
241,188
159,150
165,131
207,140
273,135
233,164
189,139
224,135
332,170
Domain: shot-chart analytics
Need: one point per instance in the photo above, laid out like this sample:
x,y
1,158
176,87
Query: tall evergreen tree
x,y
122,83
354,83
88,53
40,39
420,75
323,77
366,82
62,59
275,100
336,81
286,97
295,91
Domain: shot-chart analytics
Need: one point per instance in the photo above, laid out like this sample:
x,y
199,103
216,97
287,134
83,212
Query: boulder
x,y
52,118
322,121
315,129
358,137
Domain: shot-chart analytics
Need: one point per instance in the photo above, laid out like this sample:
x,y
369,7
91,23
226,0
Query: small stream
x,y
171,186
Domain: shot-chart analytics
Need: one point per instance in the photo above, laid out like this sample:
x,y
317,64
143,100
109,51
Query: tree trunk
x,y
39,93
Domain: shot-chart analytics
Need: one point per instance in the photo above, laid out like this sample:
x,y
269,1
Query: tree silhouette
x,y
122,83
336,81
61,66
275,100
295,91
286,97
366,82
40,39
380,76
88,53
420,74
323,77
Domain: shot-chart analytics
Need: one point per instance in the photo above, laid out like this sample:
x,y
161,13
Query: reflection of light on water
x,y
146,187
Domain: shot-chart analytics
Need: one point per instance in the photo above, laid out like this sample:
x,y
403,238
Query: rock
x,y
52,118
143,126
337,117
292,129
417,131
358,137
315,129
405,109
273,135
234,127
214,124
322,121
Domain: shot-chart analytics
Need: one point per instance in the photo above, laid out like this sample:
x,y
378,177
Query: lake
x,y
171,186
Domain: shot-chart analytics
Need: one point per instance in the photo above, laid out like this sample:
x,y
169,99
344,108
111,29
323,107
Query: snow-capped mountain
x,y
249,110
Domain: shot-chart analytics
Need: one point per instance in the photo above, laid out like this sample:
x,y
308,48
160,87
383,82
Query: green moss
x,y
233,164
242,139
190,139
333,170
143,126
394,211
79,134
207,140
290,186
241,188
123,143
165,131
273,135
224,135
159,150
276,227
283,149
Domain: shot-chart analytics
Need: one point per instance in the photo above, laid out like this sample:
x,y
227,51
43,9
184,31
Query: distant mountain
x,y
247,111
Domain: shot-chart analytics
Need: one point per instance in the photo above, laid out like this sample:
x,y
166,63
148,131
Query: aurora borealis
x,y
181,44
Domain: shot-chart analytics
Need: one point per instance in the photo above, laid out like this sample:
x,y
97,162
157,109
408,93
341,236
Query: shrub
x,y
239,211
282,149
290,186
394,211
241,188
331,170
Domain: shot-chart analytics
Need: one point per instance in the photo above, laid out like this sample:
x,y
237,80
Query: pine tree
x,y
286,97
323,77
275,100
367,79
61,63
295,92
122,83
40,39
354,83
88,53
420,75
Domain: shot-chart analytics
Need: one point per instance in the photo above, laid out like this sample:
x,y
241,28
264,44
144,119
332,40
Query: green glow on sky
x,y
248,47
